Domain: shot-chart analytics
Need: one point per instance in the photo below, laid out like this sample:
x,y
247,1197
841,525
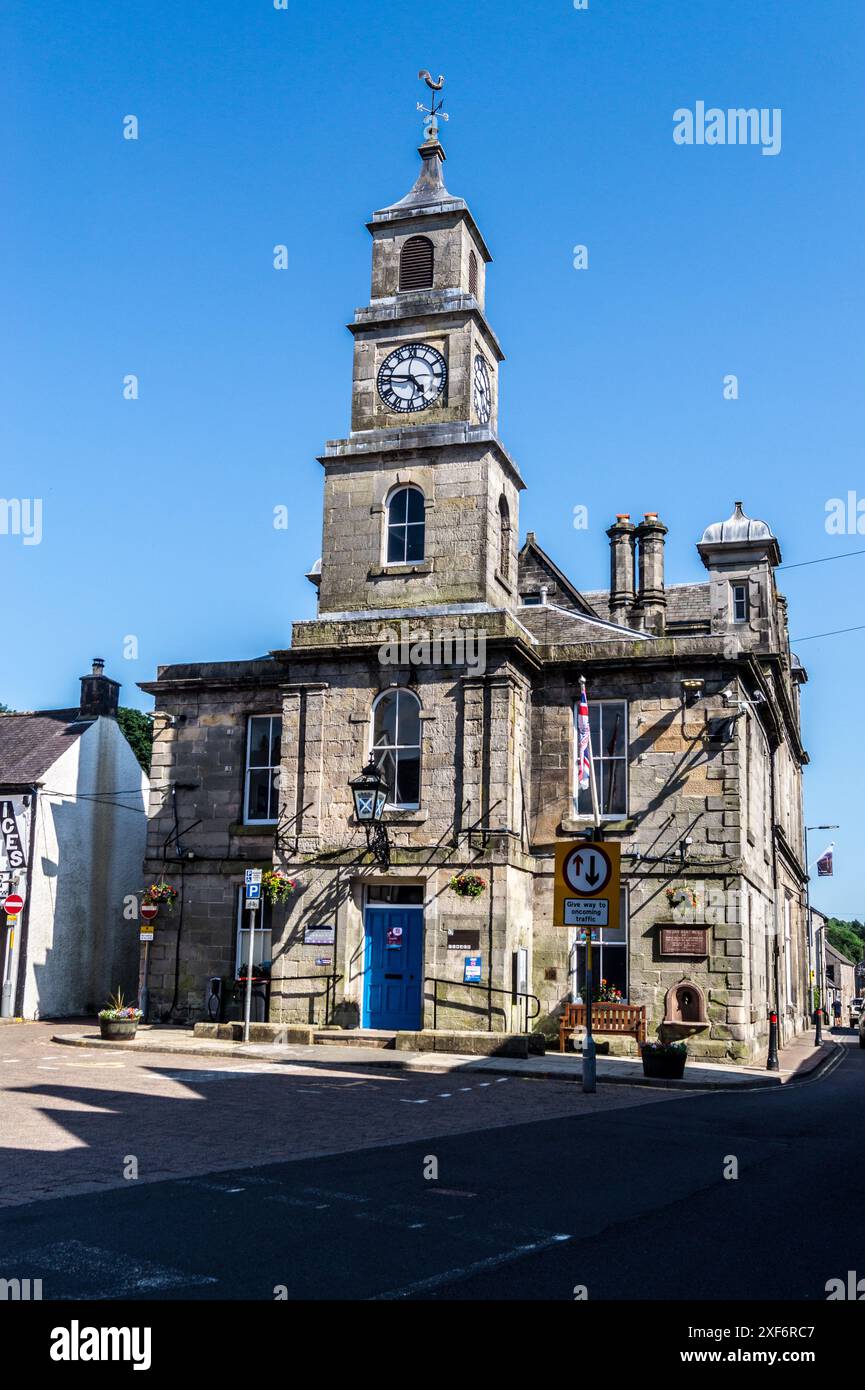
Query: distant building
x,y
840,981
73,831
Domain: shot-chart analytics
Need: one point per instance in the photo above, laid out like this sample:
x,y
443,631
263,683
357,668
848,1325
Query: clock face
x,y
482,391
412,377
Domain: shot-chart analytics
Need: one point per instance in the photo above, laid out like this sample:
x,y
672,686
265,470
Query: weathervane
x,y
431,129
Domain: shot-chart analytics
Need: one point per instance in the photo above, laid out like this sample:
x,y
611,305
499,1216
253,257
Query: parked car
x,y
855,1010
862,1027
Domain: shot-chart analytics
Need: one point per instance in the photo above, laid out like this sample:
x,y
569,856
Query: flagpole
x,y
589,1067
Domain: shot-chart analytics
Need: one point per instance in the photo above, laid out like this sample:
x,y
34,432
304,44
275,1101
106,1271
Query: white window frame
x,y
271,767
599,946
399,690
401,564
735,586
242,930
597,759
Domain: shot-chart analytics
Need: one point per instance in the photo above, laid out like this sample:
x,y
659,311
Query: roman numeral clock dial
x,y
412,378
483,395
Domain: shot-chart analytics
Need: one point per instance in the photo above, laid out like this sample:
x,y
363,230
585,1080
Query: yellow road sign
x,y
587,884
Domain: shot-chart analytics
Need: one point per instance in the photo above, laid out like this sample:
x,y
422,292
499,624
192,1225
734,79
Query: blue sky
x,y
261,126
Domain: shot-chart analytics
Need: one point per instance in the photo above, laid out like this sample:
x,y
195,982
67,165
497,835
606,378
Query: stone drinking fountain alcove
x,y
684,1009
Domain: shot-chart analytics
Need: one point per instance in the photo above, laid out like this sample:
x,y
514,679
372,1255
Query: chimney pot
x,y
98,666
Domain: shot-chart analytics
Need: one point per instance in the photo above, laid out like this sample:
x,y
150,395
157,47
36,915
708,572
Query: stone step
x,y
355,1037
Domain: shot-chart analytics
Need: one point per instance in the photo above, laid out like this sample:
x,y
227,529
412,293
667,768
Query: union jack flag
x,y
584,743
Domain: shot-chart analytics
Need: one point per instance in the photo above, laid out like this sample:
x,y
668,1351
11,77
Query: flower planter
x,y
118,1029
668,1066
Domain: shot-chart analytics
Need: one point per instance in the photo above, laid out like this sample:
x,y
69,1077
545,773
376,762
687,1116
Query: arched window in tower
x,y
504,538
473,274
396,727
416,264
406,526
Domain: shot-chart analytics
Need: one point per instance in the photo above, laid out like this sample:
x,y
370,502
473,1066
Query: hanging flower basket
x,y
160,895
277,887
681,895
468,885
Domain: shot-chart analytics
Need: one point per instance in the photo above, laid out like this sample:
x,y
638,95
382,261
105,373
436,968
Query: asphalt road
x,y
536,1194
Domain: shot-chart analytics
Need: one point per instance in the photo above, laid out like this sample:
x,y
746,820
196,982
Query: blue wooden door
x,y
393,966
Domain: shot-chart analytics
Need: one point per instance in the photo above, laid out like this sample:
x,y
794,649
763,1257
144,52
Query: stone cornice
x,y
370,446
388,313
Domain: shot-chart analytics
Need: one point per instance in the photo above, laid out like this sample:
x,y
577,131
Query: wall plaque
x,y
318,935
684,941
463,938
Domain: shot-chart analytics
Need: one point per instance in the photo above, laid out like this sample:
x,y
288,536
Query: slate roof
x,y
31,743
551,625
686,603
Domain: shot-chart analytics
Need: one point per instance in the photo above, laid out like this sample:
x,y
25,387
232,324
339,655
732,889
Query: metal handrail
x,y
330,982
490,990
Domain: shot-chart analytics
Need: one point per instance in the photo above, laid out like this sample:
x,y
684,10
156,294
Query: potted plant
x,y
160,895
607,993
664,1059
467,885
277,886
119,1021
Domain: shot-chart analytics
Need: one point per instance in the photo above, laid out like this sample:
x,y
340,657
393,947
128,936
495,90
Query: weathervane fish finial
x,y
431,128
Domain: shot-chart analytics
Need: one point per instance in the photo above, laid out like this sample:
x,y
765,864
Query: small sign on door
x,y
394,938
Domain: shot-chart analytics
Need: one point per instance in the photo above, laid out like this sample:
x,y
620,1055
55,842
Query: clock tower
x,y
422,499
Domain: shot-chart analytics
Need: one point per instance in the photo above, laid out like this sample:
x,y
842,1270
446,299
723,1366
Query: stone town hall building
x,y
694,700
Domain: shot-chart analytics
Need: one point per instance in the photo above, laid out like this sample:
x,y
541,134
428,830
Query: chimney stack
x,y
99,694
651,606
622,596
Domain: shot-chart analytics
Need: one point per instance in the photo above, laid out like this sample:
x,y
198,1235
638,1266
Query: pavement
x,y
796,1062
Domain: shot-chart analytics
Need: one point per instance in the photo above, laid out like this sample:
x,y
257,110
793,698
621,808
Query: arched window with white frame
x,y
396,729
406,526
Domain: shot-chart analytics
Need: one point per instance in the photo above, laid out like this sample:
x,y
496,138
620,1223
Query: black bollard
x,y
772,1059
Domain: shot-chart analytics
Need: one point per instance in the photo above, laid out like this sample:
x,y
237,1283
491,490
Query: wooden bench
x,y
606,1018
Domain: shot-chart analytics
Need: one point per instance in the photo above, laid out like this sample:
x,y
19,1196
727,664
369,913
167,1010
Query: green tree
x,y
137,728
847,937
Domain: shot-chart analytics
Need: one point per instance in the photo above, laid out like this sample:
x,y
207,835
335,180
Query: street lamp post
x,y
369,790
818,1011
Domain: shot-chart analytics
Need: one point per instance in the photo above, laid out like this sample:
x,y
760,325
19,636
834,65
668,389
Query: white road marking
x,y
403,1101
117,1272
449,1276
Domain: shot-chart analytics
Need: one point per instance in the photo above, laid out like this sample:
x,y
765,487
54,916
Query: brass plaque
x,y
684,941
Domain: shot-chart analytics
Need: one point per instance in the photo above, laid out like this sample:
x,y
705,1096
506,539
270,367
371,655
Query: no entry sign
x,y
149,911
13,905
